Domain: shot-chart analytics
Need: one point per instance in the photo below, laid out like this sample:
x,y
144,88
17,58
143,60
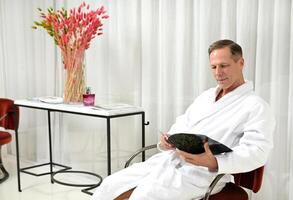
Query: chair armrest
x,y
138,152
212,185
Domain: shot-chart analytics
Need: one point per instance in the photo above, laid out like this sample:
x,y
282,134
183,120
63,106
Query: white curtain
x,y
152,54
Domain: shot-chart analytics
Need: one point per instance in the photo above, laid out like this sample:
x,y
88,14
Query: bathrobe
x,y
240,119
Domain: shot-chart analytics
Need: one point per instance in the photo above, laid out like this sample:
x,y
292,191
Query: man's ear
x,y
241,62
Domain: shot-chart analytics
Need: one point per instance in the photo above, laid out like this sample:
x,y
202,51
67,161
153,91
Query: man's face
x,y
227,72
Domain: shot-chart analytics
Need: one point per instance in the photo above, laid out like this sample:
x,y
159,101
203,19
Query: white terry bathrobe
x,y
241,120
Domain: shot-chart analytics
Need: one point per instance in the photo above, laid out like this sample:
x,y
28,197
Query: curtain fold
x,y
151,54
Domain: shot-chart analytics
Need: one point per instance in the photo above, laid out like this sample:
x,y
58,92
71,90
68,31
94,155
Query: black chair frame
x,y
141,150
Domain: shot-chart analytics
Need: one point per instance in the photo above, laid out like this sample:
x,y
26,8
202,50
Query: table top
x,y
79,108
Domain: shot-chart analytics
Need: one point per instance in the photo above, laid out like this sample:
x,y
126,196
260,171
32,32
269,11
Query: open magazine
x,y
51,99
114,106
193,143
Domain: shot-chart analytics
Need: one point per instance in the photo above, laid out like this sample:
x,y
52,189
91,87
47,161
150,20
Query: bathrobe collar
x,y
212,106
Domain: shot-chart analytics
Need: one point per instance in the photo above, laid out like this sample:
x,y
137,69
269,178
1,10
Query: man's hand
x,y
206,159
164,144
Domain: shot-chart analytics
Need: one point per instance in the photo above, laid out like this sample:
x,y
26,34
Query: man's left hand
x,y
206,159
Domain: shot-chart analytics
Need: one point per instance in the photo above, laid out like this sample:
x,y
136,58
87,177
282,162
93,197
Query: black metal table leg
x,y
143,134
143,124
89,186
50,147
108,146
17,149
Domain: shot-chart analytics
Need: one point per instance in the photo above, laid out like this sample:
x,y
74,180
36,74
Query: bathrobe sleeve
x,y
254,146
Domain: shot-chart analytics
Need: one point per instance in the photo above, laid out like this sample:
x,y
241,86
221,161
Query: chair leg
x,y
3,170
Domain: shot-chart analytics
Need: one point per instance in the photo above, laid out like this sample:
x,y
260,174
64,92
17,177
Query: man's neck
x,y
223,92
219,95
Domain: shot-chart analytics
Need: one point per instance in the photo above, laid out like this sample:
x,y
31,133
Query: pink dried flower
x,y
72,31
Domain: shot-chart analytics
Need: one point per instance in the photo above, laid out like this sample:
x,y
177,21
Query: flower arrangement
x,y
72,33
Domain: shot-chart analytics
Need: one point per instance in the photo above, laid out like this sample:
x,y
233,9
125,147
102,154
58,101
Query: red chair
x,y
8,121
232,191
250,180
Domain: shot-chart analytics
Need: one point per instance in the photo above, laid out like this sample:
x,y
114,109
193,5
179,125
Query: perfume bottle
x,y
88,98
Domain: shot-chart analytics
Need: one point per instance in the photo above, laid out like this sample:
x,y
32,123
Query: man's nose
x,y
218,70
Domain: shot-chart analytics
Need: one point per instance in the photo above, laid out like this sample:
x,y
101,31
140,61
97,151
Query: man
x,y
231,113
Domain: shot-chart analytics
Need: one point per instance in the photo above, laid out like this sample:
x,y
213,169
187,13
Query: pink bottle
x,y
88,98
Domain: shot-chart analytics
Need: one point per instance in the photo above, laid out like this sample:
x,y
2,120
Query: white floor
x,y
35,187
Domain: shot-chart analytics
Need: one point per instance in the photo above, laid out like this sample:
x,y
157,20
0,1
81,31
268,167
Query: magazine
x,y
114,106
51,99
193,143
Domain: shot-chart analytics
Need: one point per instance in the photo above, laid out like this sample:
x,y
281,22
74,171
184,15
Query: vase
x,y
75,77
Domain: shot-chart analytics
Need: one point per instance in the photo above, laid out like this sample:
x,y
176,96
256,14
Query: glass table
x,y
107,113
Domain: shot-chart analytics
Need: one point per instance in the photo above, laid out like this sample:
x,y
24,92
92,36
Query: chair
x,y
232,191
8,121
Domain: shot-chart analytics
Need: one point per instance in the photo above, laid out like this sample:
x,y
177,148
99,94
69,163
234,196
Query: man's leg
x,y
125,195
